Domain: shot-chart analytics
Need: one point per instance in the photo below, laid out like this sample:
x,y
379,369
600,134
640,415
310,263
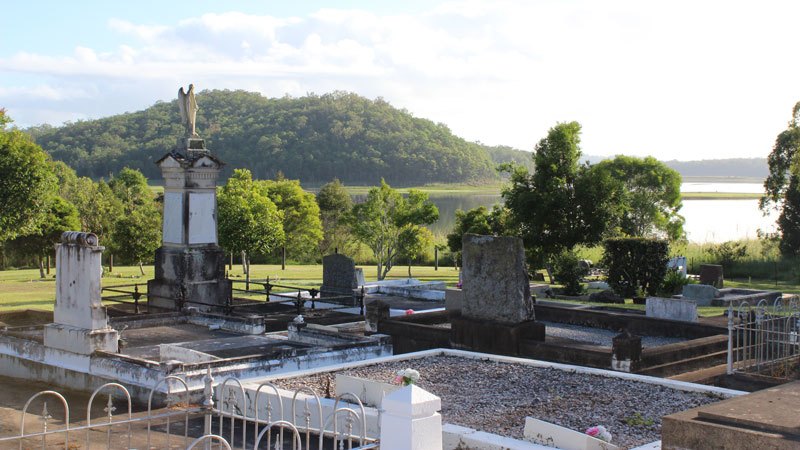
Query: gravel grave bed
x,y
496,396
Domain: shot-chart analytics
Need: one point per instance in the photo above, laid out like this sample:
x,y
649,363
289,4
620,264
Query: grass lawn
x,y
23,289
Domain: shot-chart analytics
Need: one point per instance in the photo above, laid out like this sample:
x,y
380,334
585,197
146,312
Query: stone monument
x,y
340,275
189,265
80,320
496,306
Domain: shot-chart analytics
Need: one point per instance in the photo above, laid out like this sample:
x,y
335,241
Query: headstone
x,y
703,294
339,275
672,309
80,320
495,282
189,265
375,312
678,263
711,274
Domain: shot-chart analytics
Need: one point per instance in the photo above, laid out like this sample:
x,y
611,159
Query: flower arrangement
x,y
409,312
406,377
599,432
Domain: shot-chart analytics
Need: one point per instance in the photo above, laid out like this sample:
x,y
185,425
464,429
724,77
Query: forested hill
x,y
312,138
732,167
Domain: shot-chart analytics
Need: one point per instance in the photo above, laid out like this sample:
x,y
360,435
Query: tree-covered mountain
x,y
731,167
314,138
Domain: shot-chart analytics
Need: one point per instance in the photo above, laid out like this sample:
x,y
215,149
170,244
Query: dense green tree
x,y
477,220
248,221
137,235
60,216
301,223
413,242
649,196
130,186
781,186
97,205
561,204
335,204
27,182
312,138
379,221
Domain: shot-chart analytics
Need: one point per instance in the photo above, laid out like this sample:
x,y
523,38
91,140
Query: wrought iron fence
x,y
222,422
765,340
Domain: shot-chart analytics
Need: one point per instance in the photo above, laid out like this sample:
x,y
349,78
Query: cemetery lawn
x,y
23,289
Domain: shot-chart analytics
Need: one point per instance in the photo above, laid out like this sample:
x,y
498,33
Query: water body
x,y
706,220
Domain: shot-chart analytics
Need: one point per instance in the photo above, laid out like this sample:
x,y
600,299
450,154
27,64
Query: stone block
x,y
492,337
703,294
495,280
452,301
626,352
711,274
376,311
198,270
672,309
80,340
555,436
339,275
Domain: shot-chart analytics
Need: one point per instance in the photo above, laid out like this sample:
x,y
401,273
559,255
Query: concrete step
x,y
702,376
686,365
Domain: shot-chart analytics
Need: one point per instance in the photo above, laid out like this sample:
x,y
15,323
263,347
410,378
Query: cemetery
x,y
392,364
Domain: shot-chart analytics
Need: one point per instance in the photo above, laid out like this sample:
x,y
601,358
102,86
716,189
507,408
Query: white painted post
x,y
411,421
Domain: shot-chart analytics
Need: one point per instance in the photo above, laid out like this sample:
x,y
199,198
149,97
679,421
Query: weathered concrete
x,y
763,419
488,336
453,298
672,309
703,294
495,281
81,322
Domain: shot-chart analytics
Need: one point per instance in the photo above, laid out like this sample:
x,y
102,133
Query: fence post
x,y
208,403
361,301
410,420
313,293
136,296
730,339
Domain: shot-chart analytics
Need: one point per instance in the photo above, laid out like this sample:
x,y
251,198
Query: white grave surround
x,y
80,321
456,437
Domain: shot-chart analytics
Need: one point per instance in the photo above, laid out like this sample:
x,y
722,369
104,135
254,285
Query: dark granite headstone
x,y
338,275
711,274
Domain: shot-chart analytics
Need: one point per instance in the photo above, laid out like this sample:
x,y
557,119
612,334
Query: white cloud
x,y
684,80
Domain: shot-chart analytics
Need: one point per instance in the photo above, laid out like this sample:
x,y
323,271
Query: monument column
x,y
190,265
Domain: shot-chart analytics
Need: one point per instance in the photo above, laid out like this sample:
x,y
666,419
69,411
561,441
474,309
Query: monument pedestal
x,y
80,340
193,276
488,336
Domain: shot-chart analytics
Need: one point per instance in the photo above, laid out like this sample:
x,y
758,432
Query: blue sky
x,y
677,80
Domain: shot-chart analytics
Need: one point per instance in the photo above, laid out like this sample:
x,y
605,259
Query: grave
x,y
340,275
496,304
189,265
711,274
672,309
80,321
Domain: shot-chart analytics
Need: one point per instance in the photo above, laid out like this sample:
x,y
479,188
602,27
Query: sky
x,y
680,80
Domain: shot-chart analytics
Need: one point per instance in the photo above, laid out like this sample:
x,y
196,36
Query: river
x,y
706,220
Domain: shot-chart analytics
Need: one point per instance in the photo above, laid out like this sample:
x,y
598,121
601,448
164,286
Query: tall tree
x,y
60,216
379,221
414,240
248,220
301,222
334,206
561,204
649,195
477,220
27,182
781,186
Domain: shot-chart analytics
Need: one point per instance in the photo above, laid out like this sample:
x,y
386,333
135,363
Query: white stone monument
x,y
189,265
80,320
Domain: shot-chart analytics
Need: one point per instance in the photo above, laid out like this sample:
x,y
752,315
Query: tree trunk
x,y
141,269
230,264
110,262
41,267
409,267
247,275
48,264
380,271
283,258
436,258
244,262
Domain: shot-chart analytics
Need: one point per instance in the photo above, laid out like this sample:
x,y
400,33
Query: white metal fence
x,y
235,421
765,341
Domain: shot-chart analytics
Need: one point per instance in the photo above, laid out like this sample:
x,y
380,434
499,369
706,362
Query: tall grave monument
x,y
190,265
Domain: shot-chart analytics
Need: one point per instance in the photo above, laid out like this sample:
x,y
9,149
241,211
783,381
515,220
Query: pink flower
x,y
409,312
599,432
398,379
593,431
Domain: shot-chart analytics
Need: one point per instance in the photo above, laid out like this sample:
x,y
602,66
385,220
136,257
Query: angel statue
x,y
188,107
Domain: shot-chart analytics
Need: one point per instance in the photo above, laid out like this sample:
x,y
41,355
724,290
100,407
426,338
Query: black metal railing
x,y
123,294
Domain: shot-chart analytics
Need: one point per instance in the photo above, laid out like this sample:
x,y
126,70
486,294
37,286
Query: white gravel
x,y
495,397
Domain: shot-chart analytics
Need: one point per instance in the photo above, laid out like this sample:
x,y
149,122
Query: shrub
x,y
635,265
673,283
568,271
728,252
